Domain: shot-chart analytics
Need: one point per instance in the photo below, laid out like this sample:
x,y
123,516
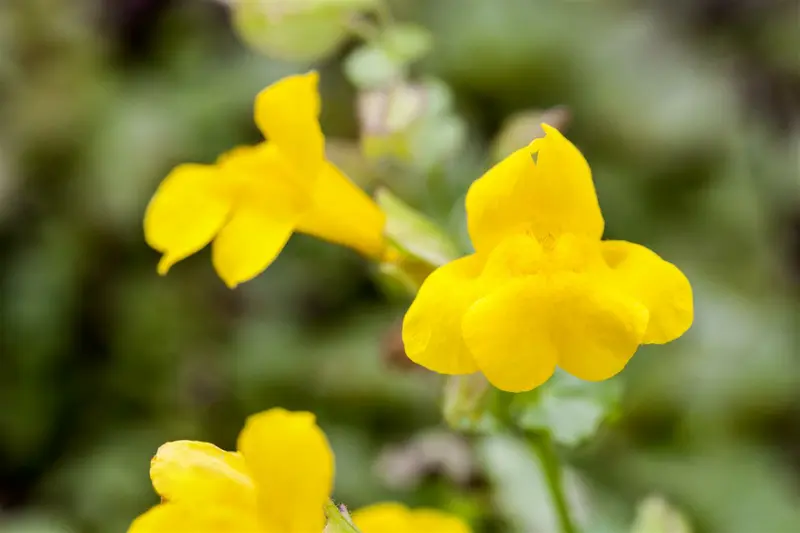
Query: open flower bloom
x,y
253,198
278,482
542,290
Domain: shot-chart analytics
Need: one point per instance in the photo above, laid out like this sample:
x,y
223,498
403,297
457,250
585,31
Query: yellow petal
x,y
268,205
508,334
292,465
249,243
178,518
386,517
187,210
432,325
547,199
287,112
436,521
659,285
263,174
395,518
189,471
344,214
596,326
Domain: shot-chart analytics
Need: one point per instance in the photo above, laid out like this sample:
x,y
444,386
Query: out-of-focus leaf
x,y
656,515
569,409
520,489
369,67
406,43
303,31
414,233
384,62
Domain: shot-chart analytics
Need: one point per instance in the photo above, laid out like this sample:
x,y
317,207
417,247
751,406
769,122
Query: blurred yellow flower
x,y
252,200
396,518
278,482
542,290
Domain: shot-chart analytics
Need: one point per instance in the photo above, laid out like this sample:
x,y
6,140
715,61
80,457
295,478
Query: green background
x,y
688,113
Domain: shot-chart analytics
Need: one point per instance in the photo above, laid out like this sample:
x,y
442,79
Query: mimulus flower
x,y
542,290
396,518
253,198
278,481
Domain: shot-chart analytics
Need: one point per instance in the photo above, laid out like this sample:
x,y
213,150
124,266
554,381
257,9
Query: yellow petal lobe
x,y
291,463
186,212
508,334
344,214
179,518
436,521
249,243
199,472
287,113
382,518
396,518
547,198
432,325
596,326
658,284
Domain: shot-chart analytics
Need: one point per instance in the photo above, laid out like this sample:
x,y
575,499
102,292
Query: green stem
x,y
337,522
544,448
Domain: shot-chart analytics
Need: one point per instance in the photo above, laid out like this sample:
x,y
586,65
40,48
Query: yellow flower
x,y
252,200
278,482
396,518
542,290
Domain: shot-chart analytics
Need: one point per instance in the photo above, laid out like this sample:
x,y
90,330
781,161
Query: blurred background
x,y
688,111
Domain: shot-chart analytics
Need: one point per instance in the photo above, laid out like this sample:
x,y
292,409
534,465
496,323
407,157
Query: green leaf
x,y
519,484
656,515
569,409
406,43
370,67
385,61
285,30
414,233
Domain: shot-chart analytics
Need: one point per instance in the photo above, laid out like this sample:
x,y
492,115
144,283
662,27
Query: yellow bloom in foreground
x,y
542,290
278,482
252,200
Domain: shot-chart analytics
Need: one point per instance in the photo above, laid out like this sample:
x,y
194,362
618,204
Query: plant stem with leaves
x,y
543,446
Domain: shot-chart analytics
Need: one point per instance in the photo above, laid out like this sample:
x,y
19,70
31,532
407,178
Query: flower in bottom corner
x,y
542,290
254,198
278,481
395,518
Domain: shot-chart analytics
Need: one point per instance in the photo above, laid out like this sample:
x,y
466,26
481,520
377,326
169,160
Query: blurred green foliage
x,y
687,111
